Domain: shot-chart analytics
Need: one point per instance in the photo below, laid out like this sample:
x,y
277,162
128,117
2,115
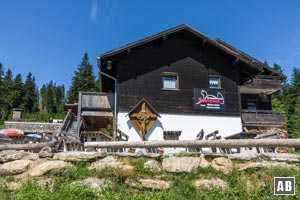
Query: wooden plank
x,y
199,143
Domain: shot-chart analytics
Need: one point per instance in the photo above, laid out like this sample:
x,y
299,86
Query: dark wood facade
x,y
139,68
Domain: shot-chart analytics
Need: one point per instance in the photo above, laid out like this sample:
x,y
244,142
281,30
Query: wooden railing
x,y
264,83
263,117
66,123
235,143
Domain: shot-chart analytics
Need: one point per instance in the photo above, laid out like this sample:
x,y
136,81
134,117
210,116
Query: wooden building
x,y
181,81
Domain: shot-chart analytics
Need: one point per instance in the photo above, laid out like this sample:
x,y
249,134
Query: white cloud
x,y
94,10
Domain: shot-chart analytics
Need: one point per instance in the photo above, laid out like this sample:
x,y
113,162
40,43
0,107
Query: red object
x,y
11,131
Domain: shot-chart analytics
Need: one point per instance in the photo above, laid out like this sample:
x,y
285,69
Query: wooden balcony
x,y
261,85
263,118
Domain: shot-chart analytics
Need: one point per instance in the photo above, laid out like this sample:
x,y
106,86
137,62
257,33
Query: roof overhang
x,y
250,68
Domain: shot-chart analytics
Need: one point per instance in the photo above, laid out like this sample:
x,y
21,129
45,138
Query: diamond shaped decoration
x,y
143,116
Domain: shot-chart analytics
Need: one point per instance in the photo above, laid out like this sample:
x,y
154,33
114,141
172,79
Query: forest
x,y
40,104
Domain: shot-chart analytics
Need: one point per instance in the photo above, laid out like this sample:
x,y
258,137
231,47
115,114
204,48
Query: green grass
x,y
66,185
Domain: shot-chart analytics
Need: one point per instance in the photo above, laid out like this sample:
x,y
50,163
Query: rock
x,y
180,164
123,154
11,155
243,156
211,156
246,166
46,152
287,157
153,165
211,184
249,165
223,164
110,162
94,182
278,164
204,162
72,156
155,184
15,167
131,182
54,166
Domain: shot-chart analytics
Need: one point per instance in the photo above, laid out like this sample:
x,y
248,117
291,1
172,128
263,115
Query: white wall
x,y
190,125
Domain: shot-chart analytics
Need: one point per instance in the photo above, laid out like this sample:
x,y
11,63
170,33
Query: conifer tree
x,y
17,92
31,94
83,80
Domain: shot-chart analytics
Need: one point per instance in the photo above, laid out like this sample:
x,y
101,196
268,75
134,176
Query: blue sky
x,y
49,37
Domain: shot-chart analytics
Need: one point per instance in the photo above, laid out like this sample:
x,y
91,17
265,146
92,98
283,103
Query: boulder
x,y
180,164
211,184
153,165
11,155
110,162
155,184
223,164
46,152
15,167
72,156
53,166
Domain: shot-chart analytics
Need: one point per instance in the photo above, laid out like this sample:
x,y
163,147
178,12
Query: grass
x,y
66,185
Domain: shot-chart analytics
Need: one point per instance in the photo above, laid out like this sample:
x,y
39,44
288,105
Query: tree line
x,y
288,100
49,100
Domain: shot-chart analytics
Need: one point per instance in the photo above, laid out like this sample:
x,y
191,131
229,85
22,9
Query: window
x,y
170,81
214,82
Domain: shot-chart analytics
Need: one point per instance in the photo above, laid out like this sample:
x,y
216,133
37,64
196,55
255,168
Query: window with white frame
x,y
170,81
214,82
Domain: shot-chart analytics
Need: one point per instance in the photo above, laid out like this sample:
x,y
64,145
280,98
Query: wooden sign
x,y
143,116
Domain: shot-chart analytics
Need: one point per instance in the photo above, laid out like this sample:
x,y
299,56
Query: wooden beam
x,y
199,143
28,146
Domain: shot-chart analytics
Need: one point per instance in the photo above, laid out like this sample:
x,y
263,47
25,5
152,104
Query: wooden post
x,y
199,143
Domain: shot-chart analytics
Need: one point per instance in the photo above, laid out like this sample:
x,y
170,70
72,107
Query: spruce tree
x,y
83,80
17,92
31,95
6,106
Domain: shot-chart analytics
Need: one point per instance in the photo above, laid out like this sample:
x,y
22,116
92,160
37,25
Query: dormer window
x,y
214,82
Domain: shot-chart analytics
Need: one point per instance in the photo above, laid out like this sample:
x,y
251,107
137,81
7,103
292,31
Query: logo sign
x,y
284,185
209,99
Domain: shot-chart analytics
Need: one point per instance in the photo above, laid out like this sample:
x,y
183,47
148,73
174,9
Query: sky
x,y
49,37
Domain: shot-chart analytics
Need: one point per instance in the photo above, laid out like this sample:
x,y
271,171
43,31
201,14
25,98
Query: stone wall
x,y
34,127
24,165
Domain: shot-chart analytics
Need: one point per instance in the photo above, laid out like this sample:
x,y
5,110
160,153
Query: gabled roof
x,y
239,56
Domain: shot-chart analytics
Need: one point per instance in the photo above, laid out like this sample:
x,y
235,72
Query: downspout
x,y
115,96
